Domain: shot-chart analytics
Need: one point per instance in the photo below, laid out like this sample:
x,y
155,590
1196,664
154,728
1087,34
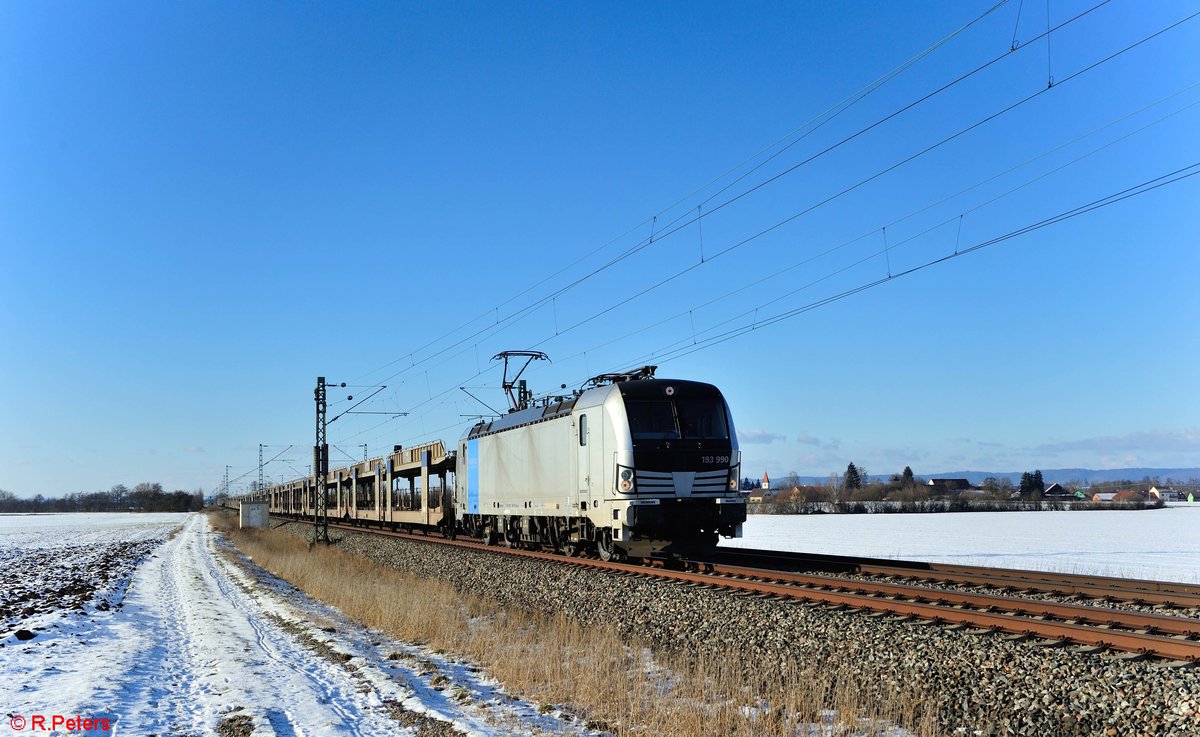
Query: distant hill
x,y
1051,475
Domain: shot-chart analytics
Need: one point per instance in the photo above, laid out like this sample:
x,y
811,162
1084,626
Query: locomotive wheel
x,y
560,537
607,550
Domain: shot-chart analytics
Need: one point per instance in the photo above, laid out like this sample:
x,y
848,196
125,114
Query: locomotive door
x,y
588,436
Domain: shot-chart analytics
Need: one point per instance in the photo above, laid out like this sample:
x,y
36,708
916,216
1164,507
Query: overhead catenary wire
x,y
805,211
660,236
755,322
865,91
1144,187
957,217
948,197
411,355
811,125
678,226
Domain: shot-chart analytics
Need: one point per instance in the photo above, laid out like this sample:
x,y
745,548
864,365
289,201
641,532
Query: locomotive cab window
x,y
583,429
652,419
702,419
686,419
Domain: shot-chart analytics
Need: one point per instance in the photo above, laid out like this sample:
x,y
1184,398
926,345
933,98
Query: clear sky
x,y
206,205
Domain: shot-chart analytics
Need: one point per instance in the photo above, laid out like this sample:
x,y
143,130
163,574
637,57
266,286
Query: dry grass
x,y
613,684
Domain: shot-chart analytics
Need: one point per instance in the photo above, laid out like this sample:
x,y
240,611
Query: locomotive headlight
x,y
624,479
735,482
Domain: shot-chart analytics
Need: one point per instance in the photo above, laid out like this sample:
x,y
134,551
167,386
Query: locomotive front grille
x,y
654,480
710,482
681,483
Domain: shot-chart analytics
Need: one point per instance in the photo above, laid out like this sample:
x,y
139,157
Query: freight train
x,y
632,466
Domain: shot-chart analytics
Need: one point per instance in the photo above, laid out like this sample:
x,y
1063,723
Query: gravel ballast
x,y
983,684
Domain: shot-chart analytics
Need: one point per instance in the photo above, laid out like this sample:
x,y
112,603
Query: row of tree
x,y
145,497
856,485
856,477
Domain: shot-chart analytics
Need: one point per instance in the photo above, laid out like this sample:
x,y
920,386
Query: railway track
x,y
1093,627
1008,580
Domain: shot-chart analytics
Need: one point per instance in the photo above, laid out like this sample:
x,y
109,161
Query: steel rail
x,y
1047,585
1079,613
1098,587
924,603
1016,623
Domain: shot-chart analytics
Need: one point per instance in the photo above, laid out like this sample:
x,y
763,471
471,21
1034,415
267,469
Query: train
x,y
630,467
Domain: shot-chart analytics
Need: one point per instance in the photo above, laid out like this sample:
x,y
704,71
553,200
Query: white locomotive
x,y
633,466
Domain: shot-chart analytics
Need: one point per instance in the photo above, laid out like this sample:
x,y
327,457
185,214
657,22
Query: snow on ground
x,y
57,530
201,641
1160,544
177,638
61,564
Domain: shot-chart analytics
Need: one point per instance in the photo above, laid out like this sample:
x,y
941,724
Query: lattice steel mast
x,y
320,468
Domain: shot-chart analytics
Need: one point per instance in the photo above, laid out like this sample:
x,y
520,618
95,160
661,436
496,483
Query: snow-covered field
x,y
57,564
56,530
1161,544
200,641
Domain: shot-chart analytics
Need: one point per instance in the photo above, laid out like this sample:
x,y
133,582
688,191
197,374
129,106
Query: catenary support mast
x,y
320,469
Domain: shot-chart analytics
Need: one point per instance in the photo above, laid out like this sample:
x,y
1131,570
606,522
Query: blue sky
x,y
203,206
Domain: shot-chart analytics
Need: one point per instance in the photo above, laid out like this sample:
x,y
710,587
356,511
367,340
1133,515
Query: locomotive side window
x,y
651,419
583,429
702,419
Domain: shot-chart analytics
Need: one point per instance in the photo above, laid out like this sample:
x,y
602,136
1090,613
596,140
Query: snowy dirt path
x,y
205,645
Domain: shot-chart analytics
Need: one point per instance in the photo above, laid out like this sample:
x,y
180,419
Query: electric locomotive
x,y
632,466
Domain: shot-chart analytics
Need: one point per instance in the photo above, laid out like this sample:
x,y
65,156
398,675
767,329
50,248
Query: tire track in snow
x,y
168,683
191,646
164,689
341,691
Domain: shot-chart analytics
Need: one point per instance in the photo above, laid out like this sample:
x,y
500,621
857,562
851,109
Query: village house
x,y
948,486
1166,495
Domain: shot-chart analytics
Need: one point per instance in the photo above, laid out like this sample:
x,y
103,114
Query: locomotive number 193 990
x,y
714,459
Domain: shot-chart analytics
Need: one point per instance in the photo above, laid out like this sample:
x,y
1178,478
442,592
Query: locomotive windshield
x,y
678,419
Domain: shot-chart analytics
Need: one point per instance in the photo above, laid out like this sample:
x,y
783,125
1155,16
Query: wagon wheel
x,y
510,534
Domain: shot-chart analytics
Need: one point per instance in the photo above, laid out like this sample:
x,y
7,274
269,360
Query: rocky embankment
x,y
983,684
